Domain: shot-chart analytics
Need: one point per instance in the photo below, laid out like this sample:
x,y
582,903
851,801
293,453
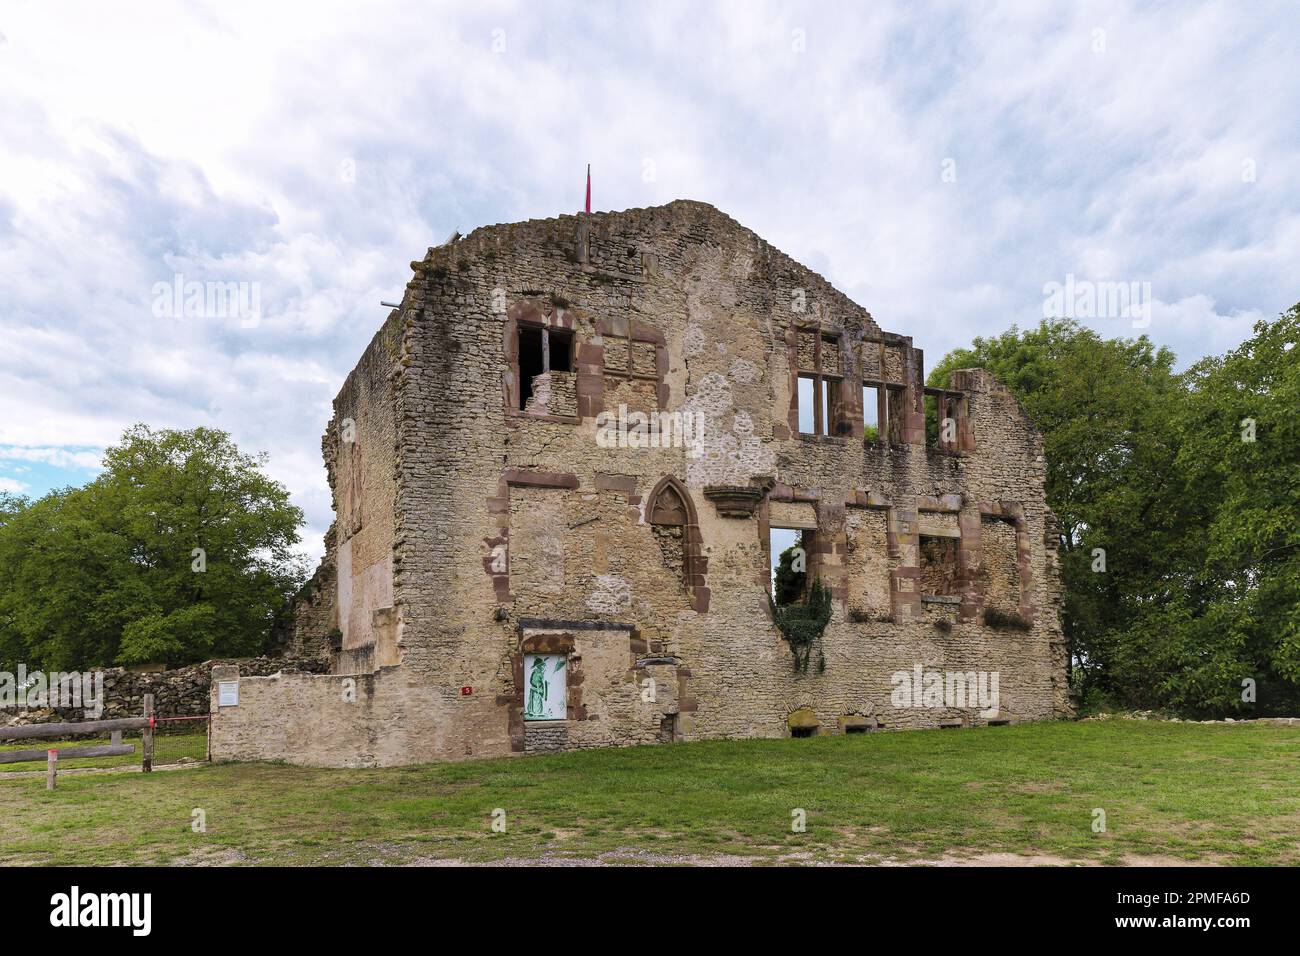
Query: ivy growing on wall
x,y
802,625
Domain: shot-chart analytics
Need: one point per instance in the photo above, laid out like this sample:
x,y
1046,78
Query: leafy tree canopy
x,y
1195,526
181,550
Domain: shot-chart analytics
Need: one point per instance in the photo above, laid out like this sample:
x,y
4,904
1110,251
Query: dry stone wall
x,y
182,692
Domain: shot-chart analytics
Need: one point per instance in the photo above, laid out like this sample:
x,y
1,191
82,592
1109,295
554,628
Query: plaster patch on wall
x,y
611,596
730,453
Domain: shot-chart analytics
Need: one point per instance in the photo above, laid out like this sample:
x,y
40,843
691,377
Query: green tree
x,y
1226,605
1102,406
180,550
791,581
1147,471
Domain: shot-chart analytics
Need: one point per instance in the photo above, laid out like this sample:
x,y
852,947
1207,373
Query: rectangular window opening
x,y
808,405
789,570
932,420
541,349
530,361
895,414
871,413
561,350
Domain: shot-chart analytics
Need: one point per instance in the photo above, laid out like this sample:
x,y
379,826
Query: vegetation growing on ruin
x,y
802,625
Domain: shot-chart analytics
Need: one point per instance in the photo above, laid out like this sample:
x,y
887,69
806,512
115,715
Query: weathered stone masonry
x,y
481,524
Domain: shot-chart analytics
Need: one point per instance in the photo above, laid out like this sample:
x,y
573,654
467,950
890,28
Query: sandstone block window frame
x,y
888,408
540,340
947,406
782,525
634,353
939,558
669,506
818,398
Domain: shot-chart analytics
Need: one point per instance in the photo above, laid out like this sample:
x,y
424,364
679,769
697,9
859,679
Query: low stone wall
x,y
183,692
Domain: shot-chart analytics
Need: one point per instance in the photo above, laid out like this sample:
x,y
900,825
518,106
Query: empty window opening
x,y
530,361
871,413
808,405
830,405
790,562
561,351
819,404
542,349
803,731
932,420
820,383
943,410
856,729
938,560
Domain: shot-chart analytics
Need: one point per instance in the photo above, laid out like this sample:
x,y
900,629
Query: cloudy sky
x,y
940,166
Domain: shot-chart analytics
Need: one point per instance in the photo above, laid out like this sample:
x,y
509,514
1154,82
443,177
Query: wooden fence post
x,y
51,768
146,747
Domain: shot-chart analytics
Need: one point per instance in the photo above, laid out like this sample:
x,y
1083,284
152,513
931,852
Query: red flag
x,y
589,187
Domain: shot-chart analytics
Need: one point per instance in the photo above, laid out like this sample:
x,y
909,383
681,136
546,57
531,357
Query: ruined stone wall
x,y
515,524
360,449
314,613
180,692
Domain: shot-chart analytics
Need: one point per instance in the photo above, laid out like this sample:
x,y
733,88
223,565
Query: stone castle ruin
x,y
558,472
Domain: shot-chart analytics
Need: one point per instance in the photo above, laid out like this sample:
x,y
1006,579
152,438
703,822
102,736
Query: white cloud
x,y
316,148
59,457
12,485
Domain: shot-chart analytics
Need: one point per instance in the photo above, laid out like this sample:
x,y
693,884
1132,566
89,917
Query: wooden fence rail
x,y
65,730
114,748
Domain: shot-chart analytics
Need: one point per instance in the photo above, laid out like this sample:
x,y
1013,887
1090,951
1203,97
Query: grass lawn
x,y
1210,793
